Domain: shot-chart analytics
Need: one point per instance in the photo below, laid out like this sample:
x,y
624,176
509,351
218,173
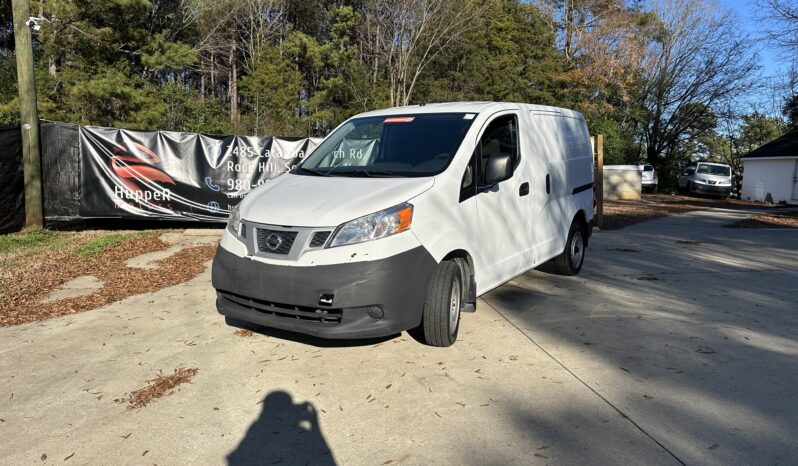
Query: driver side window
x,y
500,136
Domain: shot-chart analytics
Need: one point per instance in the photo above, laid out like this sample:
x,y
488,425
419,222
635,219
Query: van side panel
x,y
562,141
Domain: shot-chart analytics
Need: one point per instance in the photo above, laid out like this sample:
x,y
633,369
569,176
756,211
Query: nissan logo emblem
x,y
273,241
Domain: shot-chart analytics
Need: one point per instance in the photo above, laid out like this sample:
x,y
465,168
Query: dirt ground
x,y
618,214
35,265
769,220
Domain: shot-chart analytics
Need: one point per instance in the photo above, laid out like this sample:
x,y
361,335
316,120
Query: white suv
x,y
649,178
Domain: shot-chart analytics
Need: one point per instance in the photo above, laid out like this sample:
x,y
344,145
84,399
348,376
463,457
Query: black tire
x,y
437,328
570,261
655,189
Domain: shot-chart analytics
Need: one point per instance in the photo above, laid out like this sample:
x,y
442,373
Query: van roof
x,y
472,107
712,163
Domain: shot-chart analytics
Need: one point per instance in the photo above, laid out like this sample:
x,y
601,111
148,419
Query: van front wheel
x,y
569,262
440,321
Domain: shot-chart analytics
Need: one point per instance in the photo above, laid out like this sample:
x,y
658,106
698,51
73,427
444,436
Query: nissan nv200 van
x,y
402,217
706,178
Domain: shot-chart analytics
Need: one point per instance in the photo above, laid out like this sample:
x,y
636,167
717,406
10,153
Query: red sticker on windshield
x,y
399,119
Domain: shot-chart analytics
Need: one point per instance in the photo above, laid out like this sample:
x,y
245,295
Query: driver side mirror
x,y
499,168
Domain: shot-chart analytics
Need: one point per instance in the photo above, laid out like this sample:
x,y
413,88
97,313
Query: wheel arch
x,y
467,276
581,218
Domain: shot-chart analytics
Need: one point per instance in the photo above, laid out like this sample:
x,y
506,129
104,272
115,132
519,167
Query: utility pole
x,y
29,118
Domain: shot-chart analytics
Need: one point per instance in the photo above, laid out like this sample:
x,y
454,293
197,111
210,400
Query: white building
x,y
770,173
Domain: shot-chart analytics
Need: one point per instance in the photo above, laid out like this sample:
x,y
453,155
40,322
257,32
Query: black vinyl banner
x,y
176,176
12,185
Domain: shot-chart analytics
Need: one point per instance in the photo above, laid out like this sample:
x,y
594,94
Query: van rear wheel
x,y
440,320
569,262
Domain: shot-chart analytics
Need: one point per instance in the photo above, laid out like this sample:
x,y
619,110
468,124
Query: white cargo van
x,y
402,217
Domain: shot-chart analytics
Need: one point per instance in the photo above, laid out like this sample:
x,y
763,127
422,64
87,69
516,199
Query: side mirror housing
x,y
499,168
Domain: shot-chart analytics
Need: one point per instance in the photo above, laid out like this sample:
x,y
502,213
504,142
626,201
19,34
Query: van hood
x,y
317,201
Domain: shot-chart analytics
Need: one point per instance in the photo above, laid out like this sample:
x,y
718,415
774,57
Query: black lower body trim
x,y
368,299
584,187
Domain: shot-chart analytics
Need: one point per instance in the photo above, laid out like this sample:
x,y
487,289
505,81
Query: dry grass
x,y
162,385
618,214
768,220
244,332
28,275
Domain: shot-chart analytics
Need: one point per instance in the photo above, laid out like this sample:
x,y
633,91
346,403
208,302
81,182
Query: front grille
x,y
267,239
243,231
319,238
286,311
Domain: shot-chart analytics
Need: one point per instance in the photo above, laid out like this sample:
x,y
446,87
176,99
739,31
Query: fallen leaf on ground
x,y
160,386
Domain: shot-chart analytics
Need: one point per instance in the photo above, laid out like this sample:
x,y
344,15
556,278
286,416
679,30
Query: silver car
x,y
706,178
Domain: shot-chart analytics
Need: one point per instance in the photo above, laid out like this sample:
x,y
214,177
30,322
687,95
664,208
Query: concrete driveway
x,y
659,353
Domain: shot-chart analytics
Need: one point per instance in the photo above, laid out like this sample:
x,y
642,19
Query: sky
x,y
747,10
773,66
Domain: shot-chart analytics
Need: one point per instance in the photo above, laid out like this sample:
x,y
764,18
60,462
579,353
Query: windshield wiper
x,y
315,172
366,173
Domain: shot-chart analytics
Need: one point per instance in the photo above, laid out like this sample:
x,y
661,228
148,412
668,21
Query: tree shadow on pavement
x,y
285,433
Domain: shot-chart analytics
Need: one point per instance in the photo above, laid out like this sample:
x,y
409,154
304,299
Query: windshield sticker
x,y
399,119
469,116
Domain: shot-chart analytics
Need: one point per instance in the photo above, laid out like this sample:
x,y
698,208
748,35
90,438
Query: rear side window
x,y
500,136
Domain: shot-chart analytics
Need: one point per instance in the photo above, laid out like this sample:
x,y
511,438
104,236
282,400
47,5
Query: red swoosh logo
x,y
128,174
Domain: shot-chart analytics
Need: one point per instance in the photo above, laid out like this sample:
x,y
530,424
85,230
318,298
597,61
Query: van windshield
x,y
390,146
718,170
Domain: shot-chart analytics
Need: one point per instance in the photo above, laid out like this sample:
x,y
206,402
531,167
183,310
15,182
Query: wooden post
x,y
600,180
31,159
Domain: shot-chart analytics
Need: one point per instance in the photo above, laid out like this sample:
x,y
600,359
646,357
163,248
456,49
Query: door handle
x,y
548,184
524,190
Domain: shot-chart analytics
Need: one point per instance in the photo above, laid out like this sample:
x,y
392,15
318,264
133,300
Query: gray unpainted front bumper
x,y
711,189
287,297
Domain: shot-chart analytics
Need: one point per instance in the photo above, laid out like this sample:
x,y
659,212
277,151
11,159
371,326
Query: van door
x,y
503,209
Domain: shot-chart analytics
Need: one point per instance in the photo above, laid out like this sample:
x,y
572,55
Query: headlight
x,y
234,222
374,226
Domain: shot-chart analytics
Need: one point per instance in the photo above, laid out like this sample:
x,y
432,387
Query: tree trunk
x,y
213,75
233,82
202,77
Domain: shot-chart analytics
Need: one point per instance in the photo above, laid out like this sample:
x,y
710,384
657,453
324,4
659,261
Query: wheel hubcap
x,y
454,306
577,250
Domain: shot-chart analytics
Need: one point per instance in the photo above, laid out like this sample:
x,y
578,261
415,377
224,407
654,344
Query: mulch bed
x,y
27,280
768,220
618,214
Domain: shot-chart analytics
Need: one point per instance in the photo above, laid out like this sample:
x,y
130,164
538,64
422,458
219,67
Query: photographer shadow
x,y
285,433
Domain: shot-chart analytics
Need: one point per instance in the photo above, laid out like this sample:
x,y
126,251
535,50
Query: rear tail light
x,y
654,175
